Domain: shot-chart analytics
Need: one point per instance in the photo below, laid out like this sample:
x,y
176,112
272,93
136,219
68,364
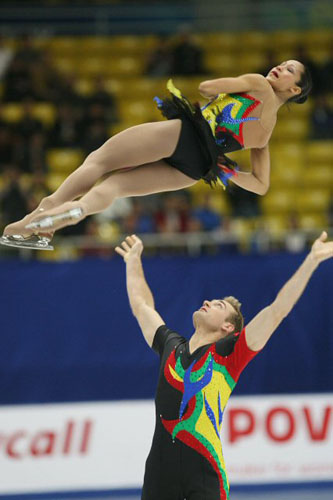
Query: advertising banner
x,y
87,446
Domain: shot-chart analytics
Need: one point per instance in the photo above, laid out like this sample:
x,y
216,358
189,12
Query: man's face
x,y
213,316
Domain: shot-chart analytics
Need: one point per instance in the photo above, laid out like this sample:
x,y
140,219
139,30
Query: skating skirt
x,y
197,154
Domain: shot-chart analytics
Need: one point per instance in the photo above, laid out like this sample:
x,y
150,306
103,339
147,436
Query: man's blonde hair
x,y
236,318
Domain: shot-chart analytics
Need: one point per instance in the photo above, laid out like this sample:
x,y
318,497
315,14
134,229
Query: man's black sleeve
x,y
163,335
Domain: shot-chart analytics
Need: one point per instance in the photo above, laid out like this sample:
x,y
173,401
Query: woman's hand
x,y
132,247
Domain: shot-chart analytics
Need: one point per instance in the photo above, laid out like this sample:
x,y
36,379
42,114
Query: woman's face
x,y
285,76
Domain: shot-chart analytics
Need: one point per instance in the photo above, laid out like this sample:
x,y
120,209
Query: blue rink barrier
x,y
119,493
67,332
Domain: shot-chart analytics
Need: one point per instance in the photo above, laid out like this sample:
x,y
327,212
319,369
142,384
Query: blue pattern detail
x,y
225,116
192,388
158,101
220,410
211,416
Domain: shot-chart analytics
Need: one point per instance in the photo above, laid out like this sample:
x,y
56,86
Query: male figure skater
x,y
197,377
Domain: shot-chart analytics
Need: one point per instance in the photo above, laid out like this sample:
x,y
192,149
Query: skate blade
x,y
48,222
31,243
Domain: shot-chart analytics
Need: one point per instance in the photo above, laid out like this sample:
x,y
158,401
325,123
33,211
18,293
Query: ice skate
x,y
56,221
33,242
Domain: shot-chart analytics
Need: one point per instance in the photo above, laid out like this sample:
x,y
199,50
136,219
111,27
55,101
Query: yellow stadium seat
x,y
45,112
223,42
54,180
319,54
138,88
285,173
313,221
132,45
278,201
220,64
12,112
139,111
317,176
95,46
124,66
312,200
121,126
319,152
64,46
276,224
318,39
287,39
64,160
291,129
298,111
84,86
253,40
251,62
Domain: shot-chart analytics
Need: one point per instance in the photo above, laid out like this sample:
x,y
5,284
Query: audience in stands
x,y
83,121
243,203
322,119
13,198
186,55
159,61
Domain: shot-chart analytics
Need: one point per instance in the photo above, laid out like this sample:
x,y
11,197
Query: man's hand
x,y
132,246
321,249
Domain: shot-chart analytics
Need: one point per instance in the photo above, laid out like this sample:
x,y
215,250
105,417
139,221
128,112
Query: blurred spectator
x,y
174,215
13,199
139,220
302,55
17,82
47,82
322,119
37,190
243,203
30,153
159,62
204,213
326,73
26,51
295,240
102,97
66,93
30,147
94,128
186,55
270,62
28,125
65,132
7,146
330,211
6,55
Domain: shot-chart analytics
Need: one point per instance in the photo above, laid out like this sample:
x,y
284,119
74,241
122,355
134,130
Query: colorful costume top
x,y
192,393
227,113
218,129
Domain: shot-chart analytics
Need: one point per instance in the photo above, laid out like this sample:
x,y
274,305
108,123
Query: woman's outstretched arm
x,y
256,181
244,83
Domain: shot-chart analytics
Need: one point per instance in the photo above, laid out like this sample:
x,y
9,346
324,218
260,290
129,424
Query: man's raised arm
x,y
139,294
259,330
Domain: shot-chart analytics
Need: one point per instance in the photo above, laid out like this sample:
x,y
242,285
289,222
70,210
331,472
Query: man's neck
x,y
201,338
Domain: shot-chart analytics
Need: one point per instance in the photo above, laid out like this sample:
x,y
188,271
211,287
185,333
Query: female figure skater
x,y
174,154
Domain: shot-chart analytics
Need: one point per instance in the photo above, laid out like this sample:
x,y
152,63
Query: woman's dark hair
x,y
306,85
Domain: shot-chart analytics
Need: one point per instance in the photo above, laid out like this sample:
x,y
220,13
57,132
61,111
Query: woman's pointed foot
x,y
69,213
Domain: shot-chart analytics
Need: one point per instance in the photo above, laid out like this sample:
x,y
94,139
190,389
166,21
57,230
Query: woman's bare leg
x,y
135,146
147,179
